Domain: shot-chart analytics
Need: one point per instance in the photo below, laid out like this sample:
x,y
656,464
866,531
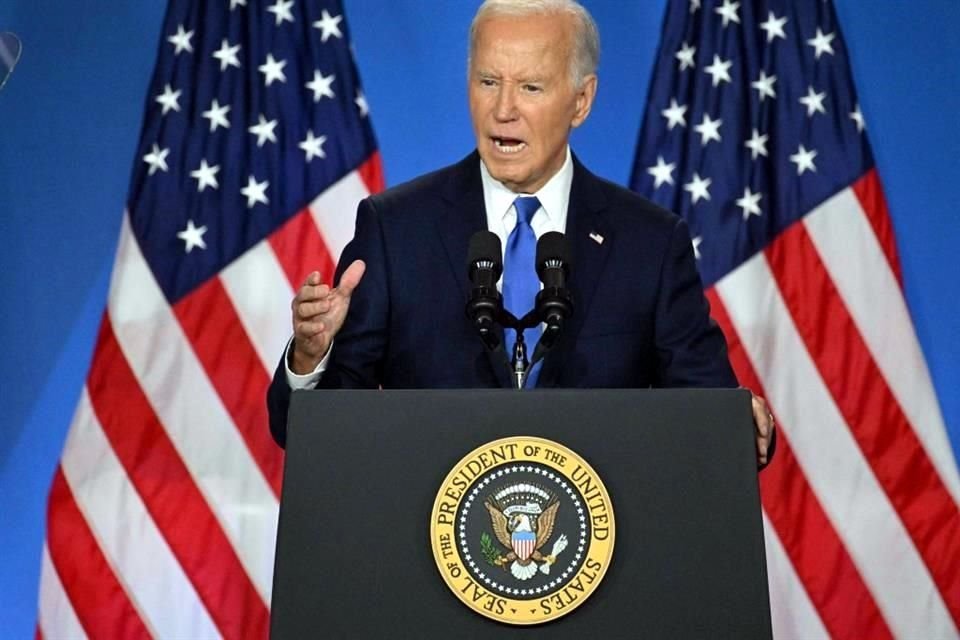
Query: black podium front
x,y
363,468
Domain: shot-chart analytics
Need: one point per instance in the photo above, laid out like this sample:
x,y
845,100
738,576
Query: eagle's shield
x,y
523,543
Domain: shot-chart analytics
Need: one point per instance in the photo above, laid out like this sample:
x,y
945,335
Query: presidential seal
x,y
522,530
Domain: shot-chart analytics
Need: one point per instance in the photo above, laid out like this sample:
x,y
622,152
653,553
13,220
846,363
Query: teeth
x,y
508,148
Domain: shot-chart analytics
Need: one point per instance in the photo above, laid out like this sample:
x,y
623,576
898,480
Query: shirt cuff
x,y
308,380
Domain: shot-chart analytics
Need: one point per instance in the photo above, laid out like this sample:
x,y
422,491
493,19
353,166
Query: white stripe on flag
x,y
833,463
261,294
334,211
849,249
148,570
792,612
57,619
184,400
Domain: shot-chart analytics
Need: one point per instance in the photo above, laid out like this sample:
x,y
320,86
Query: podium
x,y
363,469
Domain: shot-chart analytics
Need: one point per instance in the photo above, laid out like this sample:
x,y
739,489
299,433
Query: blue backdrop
x,y
71,114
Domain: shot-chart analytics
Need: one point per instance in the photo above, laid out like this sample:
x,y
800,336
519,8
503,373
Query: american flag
x,y
255,149
753,133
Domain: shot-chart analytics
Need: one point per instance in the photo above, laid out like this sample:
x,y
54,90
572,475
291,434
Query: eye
x,y
532,88
488,82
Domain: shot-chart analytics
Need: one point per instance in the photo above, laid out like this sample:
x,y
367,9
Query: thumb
x,y
351,277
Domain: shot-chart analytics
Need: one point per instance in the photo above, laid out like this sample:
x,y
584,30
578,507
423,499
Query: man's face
x,y
522,101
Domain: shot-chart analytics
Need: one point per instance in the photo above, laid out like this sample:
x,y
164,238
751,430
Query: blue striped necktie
x,y
520,281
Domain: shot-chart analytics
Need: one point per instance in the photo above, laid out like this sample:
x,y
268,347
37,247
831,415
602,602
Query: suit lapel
x,y
590,241
465,215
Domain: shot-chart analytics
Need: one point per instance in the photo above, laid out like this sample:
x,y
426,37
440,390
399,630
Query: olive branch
x,y
490,551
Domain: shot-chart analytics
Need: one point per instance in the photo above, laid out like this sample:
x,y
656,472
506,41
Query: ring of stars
x,y
557,579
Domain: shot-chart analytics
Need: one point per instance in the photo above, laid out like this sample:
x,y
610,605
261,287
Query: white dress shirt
x,y
551,216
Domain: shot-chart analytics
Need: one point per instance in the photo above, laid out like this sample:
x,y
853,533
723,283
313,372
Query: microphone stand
x,y
519,365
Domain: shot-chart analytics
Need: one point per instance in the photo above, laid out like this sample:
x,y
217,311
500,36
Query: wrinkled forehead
x,y
531,42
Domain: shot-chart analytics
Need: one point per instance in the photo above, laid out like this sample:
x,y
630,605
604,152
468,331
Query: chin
x,y
504,173
511,182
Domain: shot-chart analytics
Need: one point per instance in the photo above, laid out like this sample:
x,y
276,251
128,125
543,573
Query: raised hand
x,y
318,313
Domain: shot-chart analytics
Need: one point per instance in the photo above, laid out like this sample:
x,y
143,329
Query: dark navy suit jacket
x,y
640,318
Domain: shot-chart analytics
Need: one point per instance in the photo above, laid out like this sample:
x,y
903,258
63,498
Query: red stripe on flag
x,y
300,250
38,634
299,245
876,420
832,581
100,602
213,327
168,491
869,192
371,172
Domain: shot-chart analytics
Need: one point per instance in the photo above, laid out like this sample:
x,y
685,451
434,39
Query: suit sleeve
x,y
691,349
359,348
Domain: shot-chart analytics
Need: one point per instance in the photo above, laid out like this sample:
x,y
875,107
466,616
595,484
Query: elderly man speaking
x,y
396,318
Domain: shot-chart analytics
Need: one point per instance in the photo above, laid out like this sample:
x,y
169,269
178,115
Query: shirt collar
x,y
554,196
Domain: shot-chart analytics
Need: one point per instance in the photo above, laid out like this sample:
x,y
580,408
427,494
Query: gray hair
x,y
586,37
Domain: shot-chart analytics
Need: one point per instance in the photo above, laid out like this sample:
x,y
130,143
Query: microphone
x,y
9,54
484,266
554,302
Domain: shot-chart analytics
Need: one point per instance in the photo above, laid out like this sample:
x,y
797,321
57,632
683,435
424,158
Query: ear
x,y
585,96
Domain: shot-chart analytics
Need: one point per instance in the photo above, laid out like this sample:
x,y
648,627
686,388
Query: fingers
x,y
764,424
319,310
314,290
310,330
762,417
307,310
311,287
309,293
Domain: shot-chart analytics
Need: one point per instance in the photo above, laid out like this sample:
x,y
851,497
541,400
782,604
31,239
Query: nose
x,y
506,106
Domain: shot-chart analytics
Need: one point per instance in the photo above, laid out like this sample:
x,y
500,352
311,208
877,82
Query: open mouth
x,y
509,145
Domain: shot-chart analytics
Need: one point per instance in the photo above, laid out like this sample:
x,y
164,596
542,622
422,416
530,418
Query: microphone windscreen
x,y
553,246
485,246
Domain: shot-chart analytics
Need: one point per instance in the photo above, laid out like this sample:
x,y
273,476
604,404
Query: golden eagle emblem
x,y
523,518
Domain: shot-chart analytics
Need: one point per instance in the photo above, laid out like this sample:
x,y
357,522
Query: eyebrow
x,y
480,73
